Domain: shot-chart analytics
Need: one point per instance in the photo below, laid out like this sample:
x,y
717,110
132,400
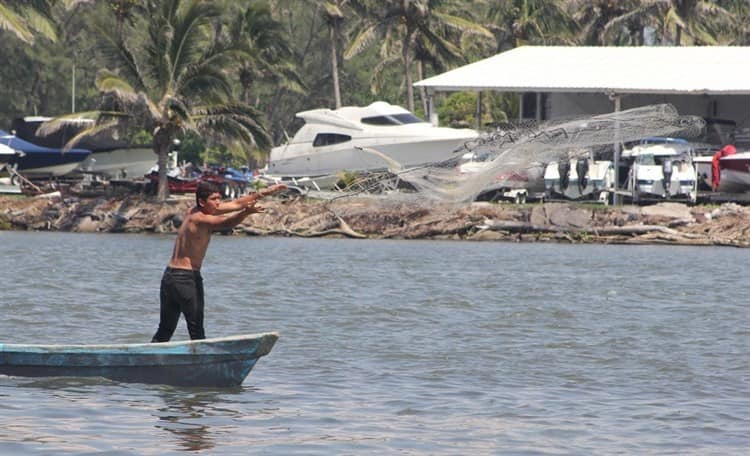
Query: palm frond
x,y
107,81
13,22
364,39
237,120
175,111
123,98
93,122
463,25
205,83
117,54
190,35
90,132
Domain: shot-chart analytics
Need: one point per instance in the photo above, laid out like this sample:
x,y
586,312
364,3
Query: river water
x,y
393,347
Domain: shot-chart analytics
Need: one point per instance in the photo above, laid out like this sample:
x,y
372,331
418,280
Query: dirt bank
x,y
364,217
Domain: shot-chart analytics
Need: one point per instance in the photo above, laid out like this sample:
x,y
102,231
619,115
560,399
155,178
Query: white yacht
x,y
377,137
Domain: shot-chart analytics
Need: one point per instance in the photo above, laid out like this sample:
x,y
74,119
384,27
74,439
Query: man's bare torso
x,y
191,243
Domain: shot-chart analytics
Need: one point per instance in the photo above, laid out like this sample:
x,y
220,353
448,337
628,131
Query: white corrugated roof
x,y
717,70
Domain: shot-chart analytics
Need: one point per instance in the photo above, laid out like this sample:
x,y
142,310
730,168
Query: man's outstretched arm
x,y
244,201
219,222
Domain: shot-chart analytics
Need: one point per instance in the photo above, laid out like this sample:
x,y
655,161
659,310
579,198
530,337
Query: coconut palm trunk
x,y
335,63
406,53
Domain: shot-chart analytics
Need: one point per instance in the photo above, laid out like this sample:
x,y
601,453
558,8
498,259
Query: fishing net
x,y
515,156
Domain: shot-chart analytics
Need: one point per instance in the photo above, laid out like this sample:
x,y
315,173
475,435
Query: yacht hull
x,y
364,157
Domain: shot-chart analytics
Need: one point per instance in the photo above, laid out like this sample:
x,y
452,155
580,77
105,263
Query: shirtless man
x,y
182,284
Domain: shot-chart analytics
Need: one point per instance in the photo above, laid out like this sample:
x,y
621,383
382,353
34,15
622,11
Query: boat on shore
x,y
661,169
220,362
580,179
362,139
34,160
110,156
725,171
735,173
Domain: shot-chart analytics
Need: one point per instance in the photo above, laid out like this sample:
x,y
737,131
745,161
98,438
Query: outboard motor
x,y
582,168
564,169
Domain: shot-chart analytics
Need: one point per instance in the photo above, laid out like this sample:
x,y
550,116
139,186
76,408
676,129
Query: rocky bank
x,y
379,218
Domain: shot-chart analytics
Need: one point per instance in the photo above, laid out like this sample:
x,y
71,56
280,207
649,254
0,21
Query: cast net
x,y
515,156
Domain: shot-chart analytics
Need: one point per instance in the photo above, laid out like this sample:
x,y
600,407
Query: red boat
x,y
179,184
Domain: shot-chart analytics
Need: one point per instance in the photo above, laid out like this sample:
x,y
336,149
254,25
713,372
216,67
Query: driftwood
x,y
343,229
633,230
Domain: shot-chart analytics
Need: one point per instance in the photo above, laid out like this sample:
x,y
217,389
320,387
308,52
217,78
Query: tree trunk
x,y
422,90
162,143
163,189
335,64
407,70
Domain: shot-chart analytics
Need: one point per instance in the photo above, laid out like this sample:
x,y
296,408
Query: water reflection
x,y
188,412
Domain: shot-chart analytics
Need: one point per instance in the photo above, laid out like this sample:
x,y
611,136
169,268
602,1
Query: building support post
x,y
538,107
431,114
617,199
479,111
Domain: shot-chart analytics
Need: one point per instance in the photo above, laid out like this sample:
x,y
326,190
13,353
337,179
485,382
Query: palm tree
x,y
519,22
176,80
740,33
268,53
601,21
267,61
401,24
334,18
124,11
701,20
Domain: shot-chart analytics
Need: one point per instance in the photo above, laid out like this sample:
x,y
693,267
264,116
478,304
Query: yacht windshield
x,y
392,119
329,139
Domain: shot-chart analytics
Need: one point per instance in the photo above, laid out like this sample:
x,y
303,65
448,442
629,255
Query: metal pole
x,y
538,106
73,91
617,200
479,111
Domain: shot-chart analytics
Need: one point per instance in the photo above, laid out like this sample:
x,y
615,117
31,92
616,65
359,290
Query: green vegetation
x,y
227,76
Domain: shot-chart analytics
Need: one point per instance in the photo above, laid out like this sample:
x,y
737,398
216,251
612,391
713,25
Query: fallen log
x,y
633,230
343,229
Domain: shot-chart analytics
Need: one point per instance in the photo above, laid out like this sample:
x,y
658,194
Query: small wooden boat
x,y
221,361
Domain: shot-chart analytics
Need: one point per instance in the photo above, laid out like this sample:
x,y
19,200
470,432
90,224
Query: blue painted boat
x,y
221,362
42,161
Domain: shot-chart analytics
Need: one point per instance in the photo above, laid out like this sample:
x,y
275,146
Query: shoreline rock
x,y
380,218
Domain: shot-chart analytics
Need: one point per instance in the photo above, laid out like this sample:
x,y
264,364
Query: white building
x,y
556,81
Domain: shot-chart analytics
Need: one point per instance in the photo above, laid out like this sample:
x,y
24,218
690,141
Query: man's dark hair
x,y
204,190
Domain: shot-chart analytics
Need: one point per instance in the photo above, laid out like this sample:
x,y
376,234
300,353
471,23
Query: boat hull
x,y
217,362
735,173
48,163
120,163
332,159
